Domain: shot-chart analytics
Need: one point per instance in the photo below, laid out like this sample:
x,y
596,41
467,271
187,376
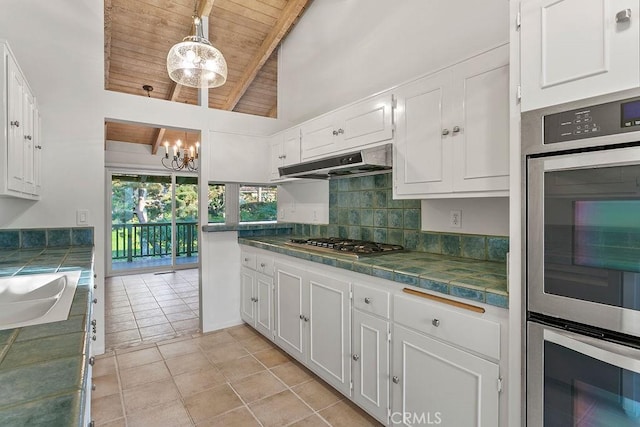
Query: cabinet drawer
x,y
248,260
471,332
371,300
264,264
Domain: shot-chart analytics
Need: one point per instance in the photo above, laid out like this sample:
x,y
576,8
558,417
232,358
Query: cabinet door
x,y
317,137
15,153
264,304
574,49
481,114
291,147
371,364
276,156
291,305
365,123
247,295
330,331
435,383
423,148
28,108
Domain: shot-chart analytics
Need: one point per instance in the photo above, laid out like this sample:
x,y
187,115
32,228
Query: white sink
x,y
37,298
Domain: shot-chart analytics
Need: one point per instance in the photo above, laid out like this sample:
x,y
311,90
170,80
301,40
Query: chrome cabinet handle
x,y
39,147
456,129
395,379
262,264
340,131
92,361
15,123
623,16
367,300
94,322
95,300
93,387
27,137
305,318
355,357
335,133
445,132
255,299
435,322
246,259
94,337
301,317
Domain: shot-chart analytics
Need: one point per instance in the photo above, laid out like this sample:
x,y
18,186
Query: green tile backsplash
x,y
363,208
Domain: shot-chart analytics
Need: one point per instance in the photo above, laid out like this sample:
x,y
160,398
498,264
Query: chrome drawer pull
x,y
367,300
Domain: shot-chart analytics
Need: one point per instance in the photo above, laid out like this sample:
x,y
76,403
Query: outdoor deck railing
x,y
130,241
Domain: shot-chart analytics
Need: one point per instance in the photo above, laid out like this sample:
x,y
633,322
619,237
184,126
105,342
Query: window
x,y
216,204
255,203
258,203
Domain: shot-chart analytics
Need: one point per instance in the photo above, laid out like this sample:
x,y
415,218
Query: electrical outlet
x,y
82,217
455,219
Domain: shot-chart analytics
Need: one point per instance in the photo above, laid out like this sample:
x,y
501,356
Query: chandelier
x,y
195,62
183,157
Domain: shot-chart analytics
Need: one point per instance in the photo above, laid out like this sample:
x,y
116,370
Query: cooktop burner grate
x,y
347,246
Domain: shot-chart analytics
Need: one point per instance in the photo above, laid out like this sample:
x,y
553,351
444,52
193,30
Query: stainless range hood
x,y
362,162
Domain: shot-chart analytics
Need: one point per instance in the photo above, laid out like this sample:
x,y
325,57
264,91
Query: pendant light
x,y
194,62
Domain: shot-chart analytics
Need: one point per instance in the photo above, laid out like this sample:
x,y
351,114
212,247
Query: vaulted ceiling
x,y
139,34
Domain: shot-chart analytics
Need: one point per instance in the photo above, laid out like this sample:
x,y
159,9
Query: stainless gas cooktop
x,y
350,247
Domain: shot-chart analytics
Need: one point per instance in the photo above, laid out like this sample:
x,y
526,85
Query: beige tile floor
x,y
150,307
233,377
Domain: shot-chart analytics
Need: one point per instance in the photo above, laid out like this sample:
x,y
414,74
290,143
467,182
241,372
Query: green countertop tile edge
x,y
65,404
212,228
475,280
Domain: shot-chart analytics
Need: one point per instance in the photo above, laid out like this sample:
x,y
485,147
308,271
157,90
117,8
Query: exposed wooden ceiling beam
x,y
273,112
204,9
107,40
287,19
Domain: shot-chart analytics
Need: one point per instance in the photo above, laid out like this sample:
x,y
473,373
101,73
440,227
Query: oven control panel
x,y
597,120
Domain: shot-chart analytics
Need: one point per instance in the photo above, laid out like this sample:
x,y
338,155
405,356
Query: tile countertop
x,y
43,367
480,281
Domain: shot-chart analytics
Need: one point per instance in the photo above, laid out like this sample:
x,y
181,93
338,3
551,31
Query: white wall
x,y
488,215
344,50
59,46
304,201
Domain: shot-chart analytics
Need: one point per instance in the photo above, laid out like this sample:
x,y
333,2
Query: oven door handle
x,y
605,351
617,157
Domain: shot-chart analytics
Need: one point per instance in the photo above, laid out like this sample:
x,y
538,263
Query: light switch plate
x,y
82,217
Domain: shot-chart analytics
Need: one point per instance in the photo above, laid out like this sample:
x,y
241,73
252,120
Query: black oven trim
x,y
584,150
582,329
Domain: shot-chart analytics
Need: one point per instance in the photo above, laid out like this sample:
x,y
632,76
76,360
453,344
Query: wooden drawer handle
x,y
458,304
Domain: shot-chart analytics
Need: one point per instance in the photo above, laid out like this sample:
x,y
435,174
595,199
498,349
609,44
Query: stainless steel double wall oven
x,y
582,271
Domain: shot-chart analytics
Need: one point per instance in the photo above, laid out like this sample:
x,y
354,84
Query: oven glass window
x,y
582,391
592,235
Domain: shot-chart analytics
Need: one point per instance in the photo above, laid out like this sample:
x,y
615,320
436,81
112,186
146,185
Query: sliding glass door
x,y
154,220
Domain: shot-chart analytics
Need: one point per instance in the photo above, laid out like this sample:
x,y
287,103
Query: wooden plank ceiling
x,y
139,34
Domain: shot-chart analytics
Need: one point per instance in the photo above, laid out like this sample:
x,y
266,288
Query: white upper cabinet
x,y
481,113
20,142
285,150
453,131
575,49
366,122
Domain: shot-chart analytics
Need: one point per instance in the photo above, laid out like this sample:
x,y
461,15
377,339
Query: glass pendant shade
x,y
196,63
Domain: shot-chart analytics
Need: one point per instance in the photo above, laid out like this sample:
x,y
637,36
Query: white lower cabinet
x,y
435,383
401,358
256,303
313,322
371,364
256,297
